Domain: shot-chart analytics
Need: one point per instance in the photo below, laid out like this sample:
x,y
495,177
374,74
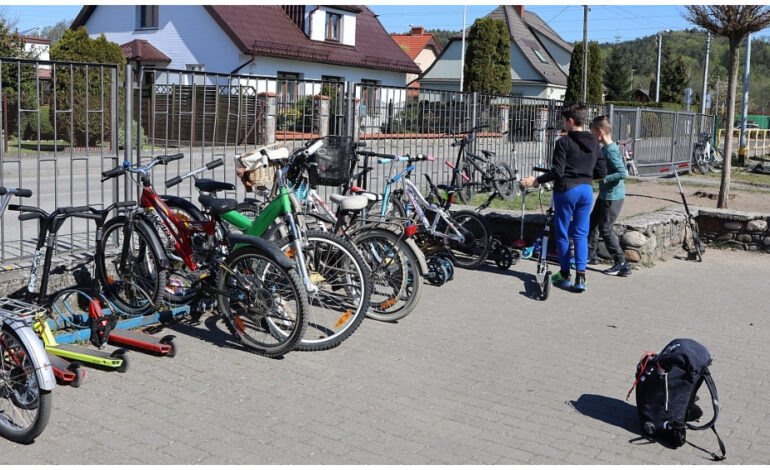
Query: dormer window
x,y
333,22
540,55
148,16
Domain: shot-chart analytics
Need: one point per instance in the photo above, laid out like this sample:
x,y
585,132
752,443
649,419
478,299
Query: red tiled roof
x,y
141,49
267,30
413,44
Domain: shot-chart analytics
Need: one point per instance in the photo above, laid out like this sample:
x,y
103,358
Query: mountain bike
x,y
26,375
335,277
627,152
705,156
256,286
498,176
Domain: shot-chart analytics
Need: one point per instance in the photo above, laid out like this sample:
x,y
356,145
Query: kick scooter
x,y
543,274
698,250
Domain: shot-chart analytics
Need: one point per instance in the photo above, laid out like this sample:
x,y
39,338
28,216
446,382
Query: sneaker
x,y
593,261
560,280
580,283
619,269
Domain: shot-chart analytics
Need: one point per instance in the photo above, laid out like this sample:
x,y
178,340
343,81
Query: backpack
x,y
666,386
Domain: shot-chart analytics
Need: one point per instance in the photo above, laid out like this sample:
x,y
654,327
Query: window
x,y
369,95
287,88
540,55
196,67
333,21
148,16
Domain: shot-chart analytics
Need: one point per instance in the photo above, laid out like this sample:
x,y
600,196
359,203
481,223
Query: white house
x,y
539,57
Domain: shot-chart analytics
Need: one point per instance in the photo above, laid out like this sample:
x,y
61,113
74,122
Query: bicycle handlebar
x,y
16,191
166,159
462,173
214,164
117,171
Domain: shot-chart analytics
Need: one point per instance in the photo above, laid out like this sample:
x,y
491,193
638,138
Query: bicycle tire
x,y
276,329
395,208
468,190
717,160
139,299
328,325
396,283
474,253
25,408
508,189
701,161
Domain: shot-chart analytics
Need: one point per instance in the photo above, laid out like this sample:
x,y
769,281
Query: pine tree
x,y
674,76
595,89
488,58
575,77
616,76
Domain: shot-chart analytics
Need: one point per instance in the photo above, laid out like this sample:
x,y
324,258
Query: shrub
x,y
122,136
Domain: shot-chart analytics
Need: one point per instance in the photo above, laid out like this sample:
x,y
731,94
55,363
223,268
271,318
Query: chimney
x,y
519,9
417,31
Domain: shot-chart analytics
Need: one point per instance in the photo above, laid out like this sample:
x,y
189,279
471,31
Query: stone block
x,y
724,236
757,225
633,239
766,242
632,256
733,226
709,224
744,237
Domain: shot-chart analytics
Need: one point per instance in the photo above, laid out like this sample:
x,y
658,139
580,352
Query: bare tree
x,y
734,22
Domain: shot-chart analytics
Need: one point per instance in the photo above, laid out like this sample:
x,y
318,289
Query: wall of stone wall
x,y
743,230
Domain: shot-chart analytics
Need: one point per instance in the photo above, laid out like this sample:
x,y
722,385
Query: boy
x,y
612,192
576,160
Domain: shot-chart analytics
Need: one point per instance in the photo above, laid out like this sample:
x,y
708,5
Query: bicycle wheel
x,y
342,289
24,407
475,249
265,306
717,160
468,187
505,182
395,208
701,161
138,288
396,287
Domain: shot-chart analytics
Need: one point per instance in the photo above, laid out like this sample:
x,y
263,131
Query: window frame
x,y
154,11
328,27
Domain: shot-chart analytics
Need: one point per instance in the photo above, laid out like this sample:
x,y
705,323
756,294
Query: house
x,y
539,57
421,47
641,95
290,42
38,48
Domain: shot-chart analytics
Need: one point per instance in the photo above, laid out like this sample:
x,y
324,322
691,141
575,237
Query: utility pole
x,y
742,148
657,74
462,54
585,52
705,74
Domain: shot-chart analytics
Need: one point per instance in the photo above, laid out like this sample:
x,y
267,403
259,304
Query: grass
x,y
532,201
743,175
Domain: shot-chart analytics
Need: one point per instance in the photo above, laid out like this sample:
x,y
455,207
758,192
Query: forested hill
x,y
642,55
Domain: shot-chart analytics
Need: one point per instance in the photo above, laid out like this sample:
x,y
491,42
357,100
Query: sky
x,y
605,22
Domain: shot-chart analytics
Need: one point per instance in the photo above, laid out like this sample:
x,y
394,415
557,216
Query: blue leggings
x,y
572,211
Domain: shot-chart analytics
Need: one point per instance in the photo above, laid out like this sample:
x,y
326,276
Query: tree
x,y
488,57
55,32
17,92
442,36
575,78
616,76
674,76
734,22
75,46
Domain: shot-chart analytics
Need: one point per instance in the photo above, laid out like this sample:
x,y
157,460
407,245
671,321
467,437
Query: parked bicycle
x,y
257,289
26,375
627,151
705,156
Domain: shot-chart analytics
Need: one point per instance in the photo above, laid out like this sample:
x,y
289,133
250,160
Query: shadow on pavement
x,y
610,410
531,288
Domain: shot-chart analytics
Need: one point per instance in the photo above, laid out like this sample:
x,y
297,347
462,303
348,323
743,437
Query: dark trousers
x,y
603,217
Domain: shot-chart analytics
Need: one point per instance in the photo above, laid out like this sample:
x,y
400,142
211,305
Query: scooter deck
x,y
60,369
91,356
139,340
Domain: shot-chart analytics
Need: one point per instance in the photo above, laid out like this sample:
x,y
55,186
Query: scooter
x,y
698,248
543,274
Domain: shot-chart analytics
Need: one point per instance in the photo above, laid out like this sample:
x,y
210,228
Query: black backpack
x,y
666,386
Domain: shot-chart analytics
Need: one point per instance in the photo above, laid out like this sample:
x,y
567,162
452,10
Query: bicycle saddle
x,y
210,186
349,203
367,194
217,206
449,188
489,153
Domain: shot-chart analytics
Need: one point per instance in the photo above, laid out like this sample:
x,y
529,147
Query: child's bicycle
x,y
26,375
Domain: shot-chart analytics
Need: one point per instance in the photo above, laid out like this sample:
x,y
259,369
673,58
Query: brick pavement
x,y
480,373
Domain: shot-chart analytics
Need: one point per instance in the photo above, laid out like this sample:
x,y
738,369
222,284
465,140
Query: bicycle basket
x,y
335,161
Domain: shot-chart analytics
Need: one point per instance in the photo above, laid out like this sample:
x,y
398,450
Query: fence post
x,y
115,96
674,134
267,101
321,114
637,127
128,97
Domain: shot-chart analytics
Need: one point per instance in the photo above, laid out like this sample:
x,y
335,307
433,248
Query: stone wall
x,y
744,230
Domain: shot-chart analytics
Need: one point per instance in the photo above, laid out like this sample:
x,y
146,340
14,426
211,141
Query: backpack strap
x,y
715,402
642,368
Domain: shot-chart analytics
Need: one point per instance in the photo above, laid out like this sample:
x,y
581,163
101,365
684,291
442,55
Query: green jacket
x,y
612,188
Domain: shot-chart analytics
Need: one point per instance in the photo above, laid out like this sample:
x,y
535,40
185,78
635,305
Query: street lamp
x,y
657,75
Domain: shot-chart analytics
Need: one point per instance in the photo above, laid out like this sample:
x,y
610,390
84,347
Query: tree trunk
x,y
732,74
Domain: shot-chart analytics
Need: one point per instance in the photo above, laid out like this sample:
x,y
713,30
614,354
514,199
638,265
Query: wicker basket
x,y
263,176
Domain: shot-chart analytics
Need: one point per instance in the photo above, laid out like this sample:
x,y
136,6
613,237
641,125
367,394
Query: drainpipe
x,y
253,58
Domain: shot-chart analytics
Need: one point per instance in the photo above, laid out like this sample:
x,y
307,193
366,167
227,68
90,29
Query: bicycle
x,y
497,176
335,277
256,286
705,156
26,375
628,156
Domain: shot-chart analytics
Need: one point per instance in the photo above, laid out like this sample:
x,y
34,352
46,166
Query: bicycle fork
x,y
299,254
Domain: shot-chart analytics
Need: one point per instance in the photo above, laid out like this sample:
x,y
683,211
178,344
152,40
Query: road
x,y
479,373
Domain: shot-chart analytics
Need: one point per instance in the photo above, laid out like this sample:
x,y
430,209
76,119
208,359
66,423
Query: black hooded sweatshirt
x,y
577,159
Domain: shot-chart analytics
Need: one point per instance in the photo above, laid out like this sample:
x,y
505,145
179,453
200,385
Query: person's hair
x,y
577,111
603,123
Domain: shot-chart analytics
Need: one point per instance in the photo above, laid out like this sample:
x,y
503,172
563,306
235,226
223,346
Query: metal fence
x,y
209,115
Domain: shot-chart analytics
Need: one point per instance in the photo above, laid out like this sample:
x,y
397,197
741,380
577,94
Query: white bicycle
x,y
705,156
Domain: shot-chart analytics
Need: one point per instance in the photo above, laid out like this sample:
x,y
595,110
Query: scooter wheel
x,y
437,272
504,257
545,289
123,355
448,265
169,340
80,373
